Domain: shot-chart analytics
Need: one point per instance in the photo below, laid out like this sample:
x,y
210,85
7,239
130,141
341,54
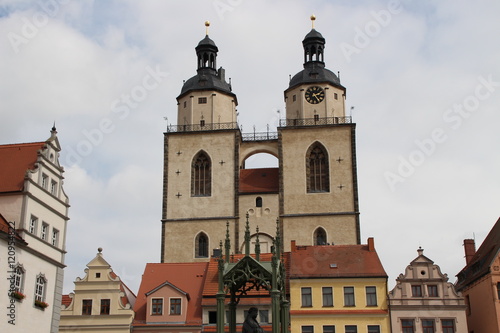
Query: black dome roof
x,y
206,80
314,73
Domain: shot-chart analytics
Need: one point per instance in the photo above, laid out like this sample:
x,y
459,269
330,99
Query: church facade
x,y
312,193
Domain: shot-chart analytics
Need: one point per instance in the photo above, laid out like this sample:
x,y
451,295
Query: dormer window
x,y
175,306
157,306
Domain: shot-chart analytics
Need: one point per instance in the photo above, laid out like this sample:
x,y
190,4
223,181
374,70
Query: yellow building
x,y
337,288
101,302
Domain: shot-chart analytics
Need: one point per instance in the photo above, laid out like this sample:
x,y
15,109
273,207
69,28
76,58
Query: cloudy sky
x,y
423,78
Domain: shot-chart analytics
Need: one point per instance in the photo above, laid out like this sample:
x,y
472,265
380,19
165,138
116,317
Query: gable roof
x,y
482,260
15,160
166,283
334,261
189,277
263,180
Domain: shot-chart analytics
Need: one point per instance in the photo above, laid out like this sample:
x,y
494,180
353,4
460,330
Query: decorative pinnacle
x,y
207,24
313,18
99,250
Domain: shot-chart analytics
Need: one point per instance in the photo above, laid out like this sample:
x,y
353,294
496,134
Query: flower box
x,y
17,295
40,304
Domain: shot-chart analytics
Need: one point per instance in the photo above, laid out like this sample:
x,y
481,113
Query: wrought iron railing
x,y
315,121
201,127
259,136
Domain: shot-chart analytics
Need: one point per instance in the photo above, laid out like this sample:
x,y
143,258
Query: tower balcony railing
x,y
202,127
315,121
259,136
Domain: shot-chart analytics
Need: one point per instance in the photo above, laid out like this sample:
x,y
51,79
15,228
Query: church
x,y
312,195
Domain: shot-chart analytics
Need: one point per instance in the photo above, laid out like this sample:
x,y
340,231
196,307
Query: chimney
x,y
371,244
293,246
470,249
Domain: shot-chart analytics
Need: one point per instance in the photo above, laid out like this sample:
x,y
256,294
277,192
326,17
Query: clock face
x,y
315,94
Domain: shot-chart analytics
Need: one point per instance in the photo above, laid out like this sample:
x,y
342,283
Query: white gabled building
x,y
33,201
424,301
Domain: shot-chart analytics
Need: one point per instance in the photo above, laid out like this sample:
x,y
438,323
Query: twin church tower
x,y
312,197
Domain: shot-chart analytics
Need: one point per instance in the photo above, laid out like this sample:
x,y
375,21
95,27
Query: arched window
x,y
201,246
320,236
18,278
201,175
318,178
41,282
258,202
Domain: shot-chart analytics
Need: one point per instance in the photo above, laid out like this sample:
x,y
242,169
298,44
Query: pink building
x,y
479,282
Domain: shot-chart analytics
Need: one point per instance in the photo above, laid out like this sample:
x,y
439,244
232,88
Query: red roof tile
x,y
335,261
4,228
66,300
15,160
263,180
186,276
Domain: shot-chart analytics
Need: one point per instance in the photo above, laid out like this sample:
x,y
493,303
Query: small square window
x,y
335,95
371,296
306,297
408,325
202,100
212,317
44,231
328,329
175,306
428,326
97,275
53,187
308,329
448,325
416,291
86,307
33,225
55,236
327,296
157,306
105,305
294,98
264,316
351,329
45,181
432,290
349,296
373,329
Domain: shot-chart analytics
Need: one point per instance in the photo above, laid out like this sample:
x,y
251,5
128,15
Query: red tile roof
x,y
480,264
15,160
186,276
66,300
4,228
331,261
265,180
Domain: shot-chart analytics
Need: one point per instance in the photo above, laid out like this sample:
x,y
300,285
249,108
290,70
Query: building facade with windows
x,y
35,207
101,302
169,298
337,288
479,282
313,191
423,301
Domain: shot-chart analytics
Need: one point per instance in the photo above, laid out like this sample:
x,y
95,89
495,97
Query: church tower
x,y
310,198
318,183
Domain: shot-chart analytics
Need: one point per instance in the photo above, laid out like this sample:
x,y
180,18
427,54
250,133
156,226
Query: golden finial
x,y
313,18
207,24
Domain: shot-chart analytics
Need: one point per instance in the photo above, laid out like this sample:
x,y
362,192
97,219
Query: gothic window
x,y
320,236
318,178
201,176
201,246
18,278
40,288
